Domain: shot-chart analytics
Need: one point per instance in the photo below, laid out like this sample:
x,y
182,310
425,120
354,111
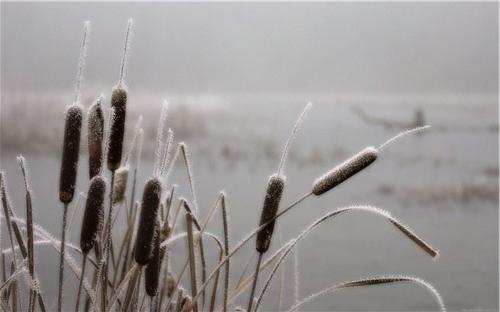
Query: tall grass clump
x,y
70,155
153,223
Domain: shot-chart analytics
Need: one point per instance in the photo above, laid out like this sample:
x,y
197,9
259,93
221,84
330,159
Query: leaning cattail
x,y
120,184
149,213
152,272
274,191
345,170
117,127
94,214
71,150
95,137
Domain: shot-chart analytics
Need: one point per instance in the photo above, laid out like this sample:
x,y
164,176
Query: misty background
x,y
236,76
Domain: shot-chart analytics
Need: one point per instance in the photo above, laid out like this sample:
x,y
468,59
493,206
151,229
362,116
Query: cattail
x,y
345,170
149,213
95,137
120,184
272,200
94,214
69,164
152,272
71,150
170,284
186,303
92,224
117,127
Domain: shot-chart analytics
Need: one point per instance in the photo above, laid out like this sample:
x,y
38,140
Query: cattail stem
x,y
107,243
402,134
254,285
84,262
295,129
61,258
81,61
123,66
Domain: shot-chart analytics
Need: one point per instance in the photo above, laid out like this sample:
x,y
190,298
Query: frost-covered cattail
x,y
153,268
120,184
148,217
93,215
119,105
70,153
95,137
275,187
345,170
92,223
117,127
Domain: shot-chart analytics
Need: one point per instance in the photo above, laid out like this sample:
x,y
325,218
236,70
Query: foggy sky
x,y
380,48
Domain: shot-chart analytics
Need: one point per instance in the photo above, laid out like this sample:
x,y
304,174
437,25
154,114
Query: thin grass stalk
x,y
226,251
192,260
80,284
214,289
30,236
189,170
254,284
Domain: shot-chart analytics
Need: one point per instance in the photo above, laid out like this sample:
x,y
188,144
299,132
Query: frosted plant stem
x,y
107,244
123,66
84,262
81,61
254,285
61,259
402,134
296,128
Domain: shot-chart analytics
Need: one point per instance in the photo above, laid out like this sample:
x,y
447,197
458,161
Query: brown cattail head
x,y
70,153
275,188
152,271
93,215
117,127
120,184
345,170
95,137
149,214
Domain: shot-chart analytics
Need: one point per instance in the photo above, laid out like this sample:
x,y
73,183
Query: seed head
x,y
93,215
95,137
344,171
70,153
275,188
117,127
120,187
152,272
147,220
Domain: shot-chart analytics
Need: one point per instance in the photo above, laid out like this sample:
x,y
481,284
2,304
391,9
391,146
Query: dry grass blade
x,y
318,222
226,251
383,280
29,222
192,260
